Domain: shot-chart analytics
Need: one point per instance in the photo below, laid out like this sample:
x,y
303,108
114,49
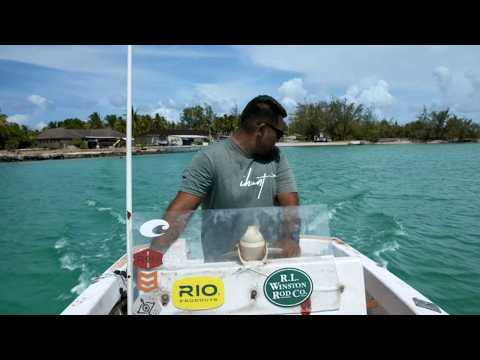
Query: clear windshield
x,y
210,248
212,235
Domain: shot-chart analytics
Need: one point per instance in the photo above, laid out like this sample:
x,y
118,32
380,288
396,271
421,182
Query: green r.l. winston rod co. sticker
x,y
288,287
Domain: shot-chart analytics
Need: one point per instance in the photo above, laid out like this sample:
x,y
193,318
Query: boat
x,y
368,289
330,277
357,142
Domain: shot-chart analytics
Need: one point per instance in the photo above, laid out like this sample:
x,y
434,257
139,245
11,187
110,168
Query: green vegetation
x,y
82,144
142,124
14,136
341,120
442,125
336,119
195,117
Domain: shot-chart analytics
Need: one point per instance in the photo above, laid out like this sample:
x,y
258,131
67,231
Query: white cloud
x,y
474,79
293,89
109,59
471,103
40,125
223,97
459,90
331,65
338,66
444,80
220,97
376,95
18,118
289,104
40,101
169,112
103,59
292,92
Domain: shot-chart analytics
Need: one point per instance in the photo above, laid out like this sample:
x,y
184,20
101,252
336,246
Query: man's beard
x,y
265,152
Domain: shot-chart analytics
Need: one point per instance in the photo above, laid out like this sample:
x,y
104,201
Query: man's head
x,y
262,119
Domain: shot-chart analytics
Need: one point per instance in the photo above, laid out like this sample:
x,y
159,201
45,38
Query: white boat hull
x,y
373,291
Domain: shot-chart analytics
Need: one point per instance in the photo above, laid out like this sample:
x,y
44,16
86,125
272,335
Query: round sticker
x,y
288,287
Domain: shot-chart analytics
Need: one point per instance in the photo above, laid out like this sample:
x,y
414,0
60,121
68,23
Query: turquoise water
x,y
413,208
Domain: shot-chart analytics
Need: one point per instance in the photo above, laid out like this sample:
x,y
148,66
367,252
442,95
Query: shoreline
x,y
363,142
39,155
304,143
347,143
42,154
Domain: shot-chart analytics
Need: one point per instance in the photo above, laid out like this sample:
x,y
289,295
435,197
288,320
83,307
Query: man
x,y
242,172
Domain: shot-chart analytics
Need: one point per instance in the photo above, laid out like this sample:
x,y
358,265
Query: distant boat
x,y
357,142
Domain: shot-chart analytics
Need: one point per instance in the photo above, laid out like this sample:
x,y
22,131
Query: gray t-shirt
x,y
228,178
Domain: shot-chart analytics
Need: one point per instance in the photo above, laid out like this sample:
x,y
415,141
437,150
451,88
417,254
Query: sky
x,y
41,83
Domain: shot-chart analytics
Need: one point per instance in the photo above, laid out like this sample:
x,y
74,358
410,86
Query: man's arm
x,y
290,237
197,180
288,199
177,215
292,222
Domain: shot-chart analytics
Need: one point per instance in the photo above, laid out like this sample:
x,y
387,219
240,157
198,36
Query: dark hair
x,y
262,108
257,113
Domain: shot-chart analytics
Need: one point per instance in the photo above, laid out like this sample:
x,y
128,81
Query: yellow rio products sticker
x,y
198,293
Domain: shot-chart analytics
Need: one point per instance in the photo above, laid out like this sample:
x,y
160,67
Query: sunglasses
x,y
279,132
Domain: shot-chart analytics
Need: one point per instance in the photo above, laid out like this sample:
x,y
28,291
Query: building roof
x,y
62,133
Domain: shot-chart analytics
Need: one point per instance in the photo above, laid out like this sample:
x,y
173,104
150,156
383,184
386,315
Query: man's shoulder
x,y
215,149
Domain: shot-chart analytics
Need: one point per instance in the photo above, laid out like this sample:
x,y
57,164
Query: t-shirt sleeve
x,y
197,178
285,178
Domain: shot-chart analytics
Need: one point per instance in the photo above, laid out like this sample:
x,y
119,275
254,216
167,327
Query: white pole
x,y
129,186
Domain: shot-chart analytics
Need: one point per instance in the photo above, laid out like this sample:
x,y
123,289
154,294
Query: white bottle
x,y
253,246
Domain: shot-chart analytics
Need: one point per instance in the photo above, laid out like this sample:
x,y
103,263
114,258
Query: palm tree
x,y
95,121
